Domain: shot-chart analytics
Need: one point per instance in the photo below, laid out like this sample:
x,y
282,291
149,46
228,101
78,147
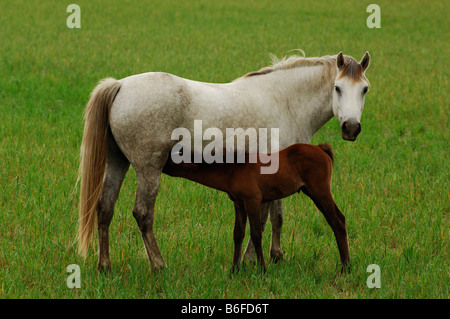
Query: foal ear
x,y
340,60
365,61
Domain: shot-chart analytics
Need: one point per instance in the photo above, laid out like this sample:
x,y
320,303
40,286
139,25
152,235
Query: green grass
x,y
392,184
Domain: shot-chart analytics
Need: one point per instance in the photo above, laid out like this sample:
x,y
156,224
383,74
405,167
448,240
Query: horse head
x,y
350,88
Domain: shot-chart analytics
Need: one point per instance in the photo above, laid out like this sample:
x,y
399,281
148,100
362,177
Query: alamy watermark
x,y
374,280
235,146
74,279
74,19
374,19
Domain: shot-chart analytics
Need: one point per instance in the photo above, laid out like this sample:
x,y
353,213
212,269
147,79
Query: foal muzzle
x,y
350,130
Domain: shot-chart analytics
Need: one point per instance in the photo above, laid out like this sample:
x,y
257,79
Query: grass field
x,y
392,183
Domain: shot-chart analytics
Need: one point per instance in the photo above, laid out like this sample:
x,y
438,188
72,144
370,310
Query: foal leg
x,y
238,234
276,219
275,210
143,211
116,167
253,209
325,203
250,254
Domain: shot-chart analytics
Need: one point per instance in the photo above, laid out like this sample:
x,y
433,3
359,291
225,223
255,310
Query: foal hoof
x,y
234,270
346,269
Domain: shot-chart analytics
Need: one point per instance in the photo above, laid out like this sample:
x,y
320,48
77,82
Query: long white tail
x,y
93,158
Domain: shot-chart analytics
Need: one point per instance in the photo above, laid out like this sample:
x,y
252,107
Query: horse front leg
x,y
276,219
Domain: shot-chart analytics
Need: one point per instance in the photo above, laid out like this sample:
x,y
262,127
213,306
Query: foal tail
x,y
93,157
327,149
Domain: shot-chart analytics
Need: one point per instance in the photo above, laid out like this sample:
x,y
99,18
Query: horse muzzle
x,y
350,130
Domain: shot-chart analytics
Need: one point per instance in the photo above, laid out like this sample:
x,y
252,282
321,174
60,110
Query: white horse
x,y
130,121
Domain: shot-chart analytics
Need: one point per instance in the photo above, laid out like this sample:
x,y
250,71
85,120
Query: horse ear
x,y
365,61
340,60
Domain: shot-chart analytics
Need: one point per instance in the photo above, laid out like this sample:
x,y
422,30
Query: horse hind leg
x,y
143,212
116,168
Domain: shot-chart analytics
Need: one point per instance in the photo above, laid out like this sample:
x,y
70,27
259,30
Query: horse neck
x,y
313,97
306,92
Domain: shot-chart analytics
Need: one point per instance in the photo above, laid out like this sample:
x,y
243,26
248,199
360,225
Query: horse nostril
x,y
344,125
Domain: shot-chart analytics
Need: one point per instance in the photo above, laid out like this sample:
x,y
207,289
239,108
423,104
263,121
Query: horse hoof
x,y
104,267
276,256
158,268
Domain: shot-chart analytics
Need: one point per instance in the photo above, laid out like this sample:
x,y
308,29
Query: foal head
x,y
350,87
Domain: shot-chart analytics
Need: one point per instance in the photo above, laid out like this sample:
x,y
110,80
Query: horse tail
x,y
93,157
327,149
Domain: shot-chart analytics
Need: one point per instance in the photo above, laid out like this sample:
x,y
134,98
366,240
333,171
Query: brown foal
x,y
302,167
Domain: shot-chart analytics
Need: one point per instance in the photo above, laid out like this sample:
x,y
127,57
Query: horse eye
x,y
338,89
365,89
